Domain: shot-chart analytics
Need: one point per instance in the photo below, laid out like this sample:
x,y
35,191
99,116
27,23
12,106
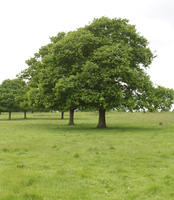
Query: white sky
x,y
26,25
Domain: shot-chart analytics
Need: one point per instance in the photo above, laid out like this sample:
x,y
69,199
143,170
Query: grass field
x,y
42,158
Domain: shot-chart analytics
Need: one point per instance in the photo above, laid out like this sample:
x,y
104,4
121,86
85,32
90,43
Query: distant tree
x,y
163,99
9,92
23,100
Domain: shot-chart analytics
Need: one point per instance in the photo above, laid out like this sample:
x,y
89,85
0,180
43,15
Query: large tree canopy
x,y
101,66
106,64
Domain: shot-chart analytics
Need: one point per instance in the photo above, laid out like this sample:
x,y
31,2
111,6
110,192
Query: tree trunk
x,y
101,119
71,117
9,116
62,115
0,112
25,114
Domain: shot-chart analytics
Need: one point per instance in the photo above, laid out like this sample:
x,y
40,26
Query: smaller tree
x,y
23,101
163,99
10,90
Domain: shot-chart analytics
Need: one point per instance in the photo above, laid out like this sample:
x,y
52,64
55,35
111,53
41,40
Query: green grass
x,y
42,158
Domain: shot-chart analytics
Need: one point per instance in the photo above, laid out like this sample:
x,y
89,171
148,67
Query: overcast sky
x,y
26,25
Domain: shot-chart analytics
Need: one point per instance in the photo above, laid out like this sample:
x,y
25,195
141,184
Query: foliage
x,y
115,74
101,66
163,98
10,94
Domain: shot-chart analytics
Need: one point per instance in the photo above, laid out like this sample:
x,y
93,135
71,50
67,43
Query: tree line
x,y
101,66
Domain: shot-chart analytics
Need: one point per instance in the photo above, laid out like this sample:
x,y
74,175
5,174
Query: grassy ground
x,y
42,158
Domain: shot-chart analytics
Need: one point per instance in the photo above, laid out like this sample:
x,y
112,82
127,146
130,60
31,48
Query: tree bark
x,y
101,119
62,115
71,117
9,116
25,114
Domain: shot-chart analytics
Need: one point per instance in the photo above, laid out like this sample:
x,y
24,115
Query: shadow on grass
x,y
83,128
118,128
91,129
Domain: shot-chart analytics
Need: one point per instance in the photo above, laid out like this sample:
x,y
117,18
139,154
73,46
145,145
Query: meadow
x,y
42,158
